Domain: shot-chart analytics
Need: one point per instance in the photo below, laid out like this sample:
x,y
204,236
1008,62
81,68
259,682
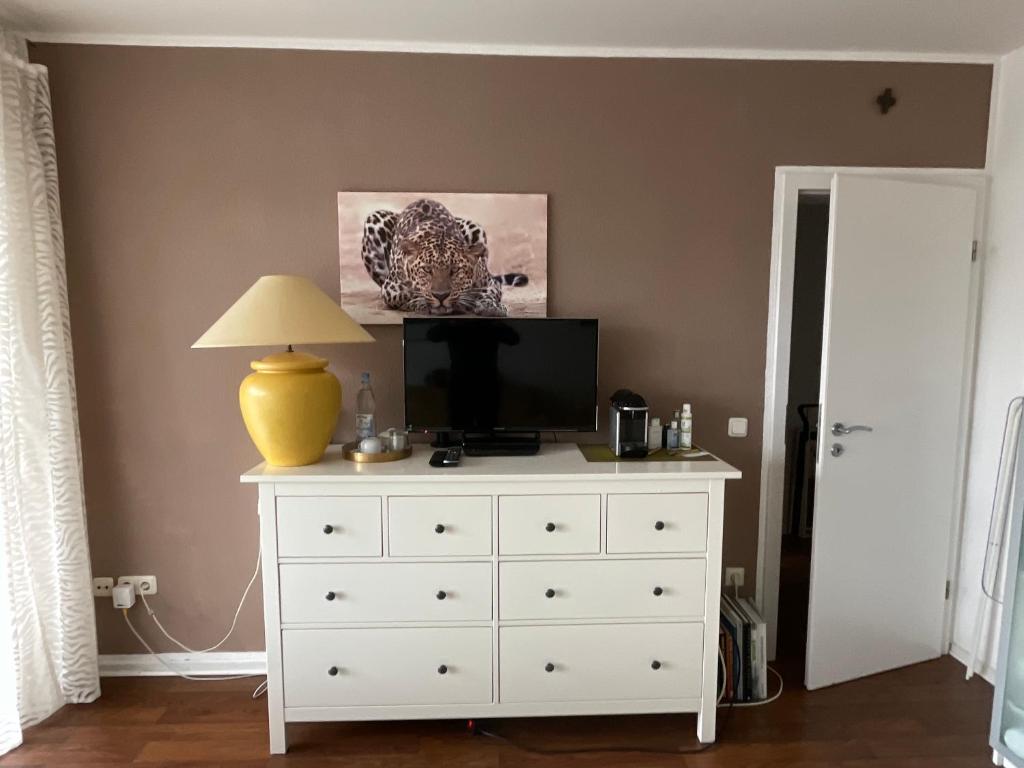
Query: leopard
x,y
428,261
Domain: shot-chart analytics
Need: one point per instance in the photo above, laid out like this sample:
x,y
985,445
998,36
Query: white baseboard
x,y
987,671
146,665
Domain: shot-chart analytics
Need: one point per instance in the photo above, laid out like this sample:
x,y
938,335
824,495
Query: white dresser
x,y
531,586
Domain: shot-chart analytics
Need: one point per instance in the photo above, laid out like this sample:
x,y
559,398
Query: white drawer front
x,y
385,592
601,662
439,526
386,666
328,526
549,525
592,589
653,522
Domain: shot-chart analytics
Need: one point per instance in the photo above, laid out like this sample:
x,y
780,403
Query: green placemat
x,y
599,453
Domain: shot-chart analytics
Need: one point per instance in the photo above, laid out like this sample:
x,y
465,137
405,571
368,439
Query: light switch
x,y
737,426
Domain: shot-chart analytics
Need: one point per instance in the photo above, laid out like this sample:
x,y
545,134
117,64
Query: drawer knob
x,y
550,527
333,671
549,667
438,528
328,528
549,593
442,670
330,596
441,594
655,664
658,591
659,526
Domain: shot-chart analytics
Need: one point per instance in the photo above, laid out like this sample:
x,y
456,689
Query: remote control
x,y
448,457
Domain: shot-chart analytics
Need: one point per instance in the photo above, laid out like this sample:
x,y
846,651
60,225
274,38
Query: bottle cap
x,y
655,421
686,408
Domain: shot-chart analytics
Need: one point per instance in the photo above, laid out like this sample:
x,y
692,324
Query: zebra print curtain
x,y
47,622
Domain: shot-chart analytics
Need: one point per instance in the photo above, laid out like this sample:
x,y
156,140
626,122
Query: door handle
x,y
841,429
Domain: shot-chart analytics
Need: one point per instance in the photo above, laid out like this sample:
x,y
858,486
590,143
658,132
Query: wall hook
x,y
886,101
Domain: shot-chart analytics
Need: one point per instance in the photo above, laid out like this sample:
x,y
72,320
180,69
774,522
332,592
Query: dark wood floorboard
x,y
924,716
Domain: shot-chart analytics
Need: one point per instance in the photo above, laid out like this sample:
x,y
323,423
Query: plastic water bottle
x,y
686,428
365,407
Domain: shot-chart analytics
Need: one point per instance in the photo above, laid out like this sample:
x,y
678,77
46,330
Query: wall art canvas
x,y
421,254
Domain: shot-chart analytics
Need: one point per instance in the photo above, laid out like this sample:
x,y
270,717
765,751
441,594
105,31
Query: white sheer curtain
x,y
47,622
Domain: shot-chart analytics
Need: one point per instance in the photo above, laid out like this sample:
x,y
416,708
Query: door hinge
x,y
974,250
947,589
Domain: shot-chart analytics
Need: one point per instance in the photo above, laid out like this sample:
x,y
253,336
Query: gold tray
x,y
351,452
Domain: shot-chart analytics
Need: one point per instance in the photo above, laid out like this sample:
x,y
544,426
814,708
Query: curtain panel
x,y
48,653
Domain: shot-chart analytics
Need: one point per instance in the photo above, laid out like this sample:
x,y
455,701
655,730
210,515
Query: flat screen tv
x,y
498,375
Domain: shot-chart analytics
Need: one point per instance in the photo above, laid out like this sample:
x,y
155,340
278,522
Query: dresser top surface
x,y
556,461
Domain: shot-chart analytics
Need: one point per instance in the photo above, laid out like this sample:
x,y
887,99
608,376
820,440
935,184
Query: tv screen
x,y
500,375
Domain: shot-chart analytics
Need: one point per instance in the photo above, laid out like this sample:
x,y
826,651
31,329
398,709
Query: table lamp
x,y
290,403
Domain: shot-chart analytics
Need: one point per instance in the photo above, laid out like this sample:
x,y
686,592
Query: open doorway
x,y
808,309
860,608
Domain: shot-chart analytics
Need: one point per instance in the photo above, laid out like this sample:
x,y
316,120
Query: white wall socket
x,y
102,586
144,585
734,577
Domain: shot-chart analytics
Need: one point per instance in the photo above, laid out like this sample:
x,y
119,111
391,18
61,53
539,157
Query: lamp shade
x,y
279,310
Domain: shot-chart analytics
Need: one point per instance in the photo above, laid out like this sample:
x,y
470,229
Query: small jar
x,y
399,439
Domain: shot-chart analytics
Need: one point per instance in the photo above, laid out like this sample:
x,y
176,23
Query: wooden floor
x,y
925,716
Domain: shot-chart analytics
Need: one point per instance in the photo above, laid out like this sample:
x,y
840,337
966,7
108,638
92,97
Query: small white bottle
x,y
654,435
365,407
672,436
686,428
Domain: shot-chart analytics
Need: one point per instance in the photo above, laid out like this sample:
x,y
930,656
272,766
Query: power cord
x,y
234,620
168,666
260,689
474,729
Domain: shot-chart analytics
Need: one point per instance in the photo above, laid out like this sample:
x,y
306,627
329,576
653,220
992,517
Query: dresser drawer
x,y
653,522
601,662
375,667
549,525
593,589
328,526
439,526
373,592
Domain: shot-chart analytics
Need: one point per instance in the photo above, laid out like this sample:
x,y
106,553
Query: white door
x,y
896,303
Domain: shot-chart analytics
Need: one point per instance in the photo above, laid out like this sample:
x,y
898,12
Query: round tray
x,y
351,452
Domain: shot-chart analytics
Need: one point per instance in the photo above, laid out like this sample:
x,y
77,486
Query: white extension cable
x,y
234,622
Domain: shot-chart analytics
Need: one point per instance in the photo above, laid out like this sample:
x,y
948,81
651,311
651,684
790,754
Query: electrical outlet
x,y
144,585
102,586
734,577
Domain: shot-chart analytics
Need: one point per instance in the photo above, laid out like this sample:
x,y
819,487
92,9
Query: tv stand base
x,y
501,444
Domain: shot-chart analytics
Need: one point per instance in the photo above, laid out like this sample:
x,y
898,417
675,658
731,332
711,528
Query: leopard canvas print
x,y
446,254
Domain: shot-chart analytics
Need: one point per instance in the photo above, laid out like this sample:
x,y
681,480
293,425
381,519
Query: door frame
x,y
790,181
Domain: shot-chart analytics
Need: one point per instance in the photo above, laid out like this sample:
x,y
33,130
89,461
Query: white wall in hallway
x,y
1000,369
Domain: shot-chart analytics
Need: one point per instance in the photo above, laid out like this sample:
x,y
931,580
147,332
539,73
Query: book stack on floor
x,y
742,639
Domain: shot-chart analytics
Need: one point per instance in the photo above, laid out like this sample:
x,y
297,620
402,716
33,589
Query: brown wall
x,y
186,174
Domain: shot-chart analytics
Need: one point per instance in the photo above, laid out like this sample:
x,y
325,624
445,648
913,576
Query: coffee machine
x,y
627,425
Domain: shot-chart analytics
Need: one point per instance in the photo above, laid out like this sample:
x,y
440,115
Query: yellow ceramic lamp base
x,y
290,405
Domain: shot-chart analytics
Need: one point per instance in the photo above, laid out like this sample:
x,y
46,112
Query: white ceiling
x,y
925,29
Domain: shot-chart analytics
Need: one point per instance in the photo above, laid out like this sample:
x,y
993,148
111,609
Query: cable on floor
x,y
475,728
